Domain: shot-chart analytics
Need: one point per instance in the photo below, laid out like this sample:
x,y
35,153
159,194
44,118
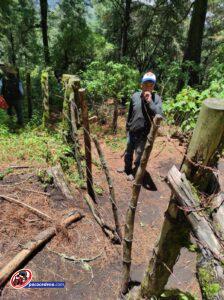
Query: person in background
x,y
12,90
143,107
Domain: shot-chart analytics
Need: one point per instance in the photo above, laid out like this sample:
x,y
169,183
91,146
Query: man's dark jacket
x,y
142,113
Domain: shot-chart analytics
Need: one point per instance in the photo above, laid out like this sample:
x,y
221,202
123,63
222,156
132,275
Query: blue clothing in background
x,y
20,87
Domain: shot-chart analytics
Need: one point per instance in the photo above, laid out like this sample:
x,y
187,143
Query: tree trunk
x,y
204,150
44,27
192,51
87,140
28,95
130,214
126,24
45,93
13,53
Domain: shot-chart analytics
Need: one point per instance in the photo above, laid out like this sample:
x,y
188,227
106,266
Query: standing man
x,y
144,106
12,91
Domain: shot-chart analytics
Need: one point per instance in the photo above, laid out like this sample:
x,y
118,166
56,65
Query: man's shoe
x,y
130,177
121,170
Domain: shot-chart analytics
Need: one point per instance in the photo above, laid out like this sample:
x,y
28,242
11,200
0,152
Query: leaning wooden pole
x,y
87,140
111,187
29,248
130,215
45,93
203,153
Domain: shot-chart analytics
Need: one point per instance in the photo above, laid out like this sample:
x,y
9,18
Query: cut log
x,y
130,215
217,215
108,230
60,182
210,266
188,200
30,208
111,187
33,245
206,146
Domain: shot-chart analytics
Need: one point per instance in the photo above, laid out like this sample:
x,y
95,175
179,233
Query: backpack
x,y
10,89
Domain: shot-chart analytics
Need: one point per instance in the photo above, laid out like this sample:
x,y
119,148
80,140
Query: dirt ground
x,y
99,278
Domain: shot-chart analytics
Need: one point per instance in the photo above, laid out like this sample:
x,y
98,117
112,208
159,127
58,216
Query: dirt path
x,y
98,279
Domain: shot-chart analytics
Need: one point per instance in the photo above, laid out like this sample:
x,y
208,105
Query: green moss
x,y
206,277
177,295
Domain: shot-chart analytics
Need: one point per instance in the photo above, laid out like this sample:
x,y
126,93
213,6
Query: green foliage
x,y
206,277
72,40
177,295
6,172
184,108
110,80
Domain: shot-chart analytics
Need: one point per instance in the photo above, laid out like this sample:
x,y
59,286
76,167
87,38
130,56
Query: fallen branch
x,y
72,258
60,181
36,242
34,191
109,232
17,183
27,206
111,187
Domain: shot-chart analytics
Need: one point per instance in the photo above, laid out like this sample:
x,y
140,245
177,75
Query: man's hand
x,y
147,96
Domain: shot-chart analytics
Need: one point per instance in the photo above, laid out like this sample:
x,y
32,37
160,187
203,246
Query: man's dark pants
x,y
18,108
135,144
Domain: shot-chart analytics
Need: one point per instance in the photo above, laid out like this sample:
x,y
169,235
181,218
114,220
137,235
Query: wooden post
x,y
71,84
87,140
28,95
67,81
115,116
205,148
45,93
130,215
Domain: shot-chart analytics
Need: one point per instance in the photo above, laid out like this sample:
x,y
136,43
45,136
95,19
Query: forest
x,y
88,89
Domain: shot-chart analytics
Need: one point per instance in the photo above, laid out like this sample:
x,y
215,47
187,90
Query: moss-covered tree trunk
x,y
87,140
68,82
71,85
205,148
45,94
28,95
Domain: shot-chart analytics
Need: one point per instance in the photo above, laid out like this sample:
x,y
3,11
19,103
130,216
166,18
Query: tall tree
x,y
44,27
193,48
125,27
72,43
